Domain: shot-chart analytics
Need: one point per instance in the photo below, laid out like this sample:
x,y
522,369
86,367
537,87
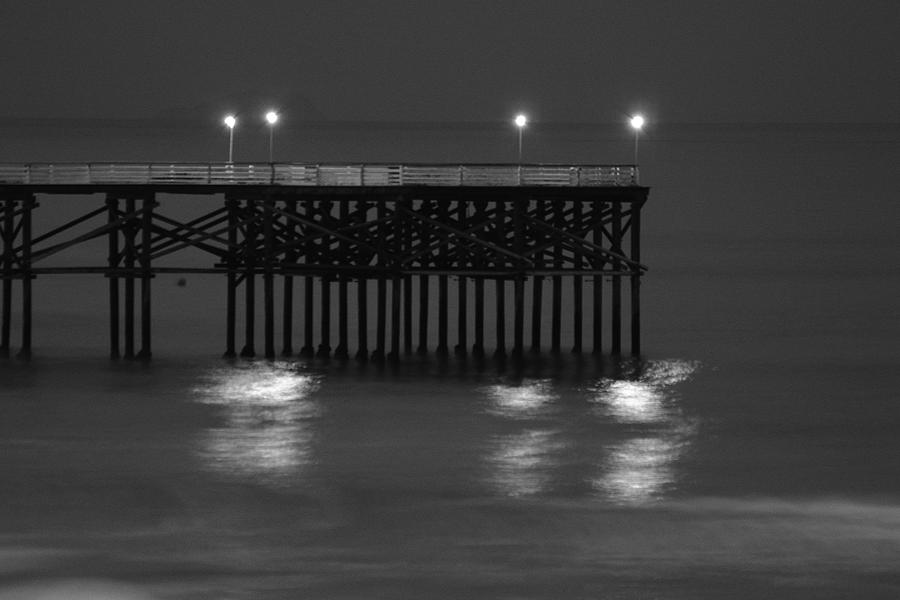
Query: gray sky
x,y
561,60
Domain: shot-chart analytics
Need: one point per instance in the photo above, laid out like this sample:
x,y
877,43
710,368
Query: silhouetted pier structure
x,y
417,231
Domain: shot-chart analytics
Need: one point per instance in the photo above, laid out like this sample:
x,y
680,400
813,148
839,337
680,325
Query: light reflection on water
x,y
522,463
267,435
642,468
627,434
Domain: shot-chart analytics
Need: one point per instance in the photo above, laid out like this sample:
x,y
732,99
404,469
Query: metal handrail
x,y
312,174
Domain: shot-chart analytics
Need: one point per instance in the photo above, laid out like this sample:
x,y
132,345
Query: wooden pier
x,y
411,235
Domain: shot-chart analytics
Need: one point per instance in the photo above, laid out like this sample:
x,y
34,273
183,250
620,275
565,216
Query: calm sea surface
x,y
753,452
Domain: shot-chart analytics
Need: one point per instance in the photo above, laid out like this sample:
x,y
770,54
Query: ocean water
x,y
751,452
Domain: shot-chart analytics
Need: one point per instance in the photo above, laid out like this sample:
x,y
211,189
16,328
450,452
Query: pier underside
x,y
389,264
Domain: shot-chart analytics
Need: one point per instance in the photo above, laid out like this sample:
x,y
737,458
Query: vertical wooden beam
x,y
407,315
309,259
130,233
381,301
27,207
324,350
308,349
559,222
616,324
325,243
635,233
462,287
378,354
362,320
422,350
231,205
396,295
249,351
290,259
443,261
112,215
362,297
9,209
500,282
342,351
537,282
599,262
519,207
268,279
478,346
577,283
147,204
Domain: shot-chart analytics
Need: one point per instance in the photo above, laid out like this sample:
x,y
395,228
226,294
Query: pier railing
x,y
301,174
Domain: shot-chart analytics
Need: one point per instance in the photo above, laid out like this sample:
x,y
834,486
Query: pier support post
x,y
342,351
147,204
268,280
308,350
577,284
422,350
478,346
500,282
362,320
598,279
500,351
635,234
248,351
28,205
556,316
130,231
112,215
616,325
287,313
9,208
324,350
396,297
231,206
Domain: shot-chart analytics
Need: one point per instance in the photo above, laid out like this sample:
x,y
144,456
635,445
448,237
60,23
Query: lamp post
x,y
271,119
230,122
520,121
636,122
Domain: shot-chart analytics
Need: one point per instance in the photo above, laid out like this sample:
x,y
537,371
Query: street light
x,y
271,119
636,122
230,122
520,121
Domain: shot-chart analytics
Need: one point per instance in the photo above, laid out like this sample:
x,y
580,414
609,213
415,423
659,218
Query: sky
x,y
466,61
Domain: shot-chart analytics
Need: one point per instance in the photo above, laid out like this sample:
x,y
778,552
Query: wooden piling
x,y
556,308
27,207
577,284
130,233
443,261
362,320
112,215
378,354
308,351
290,259
478,346
597,306
396,305
635,234
9,209
248,351
232,208
342,351
324,350
268,280
147,204
422,350
616,325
